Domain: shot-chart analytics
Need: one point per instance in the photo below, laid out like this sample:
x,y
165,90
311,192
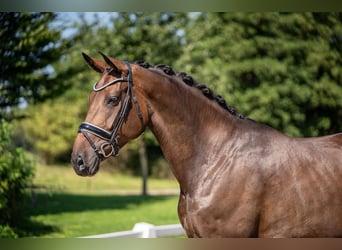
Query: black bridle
x,y
111,136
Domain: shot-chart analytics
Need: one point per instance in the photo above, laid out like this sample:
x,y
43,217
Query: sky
x,y
71,17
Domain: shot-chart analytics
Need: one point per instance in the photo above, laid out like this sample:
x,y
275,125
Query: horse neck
x,y
187,125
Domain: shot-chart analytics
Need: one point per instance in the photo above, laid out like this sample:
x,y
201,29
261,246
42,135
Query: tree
x,y
16,173
50,128
28,47
283,69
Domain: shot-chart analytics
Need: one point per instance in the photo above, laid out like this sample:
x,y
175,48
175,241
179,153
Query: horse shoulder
x,y
227,198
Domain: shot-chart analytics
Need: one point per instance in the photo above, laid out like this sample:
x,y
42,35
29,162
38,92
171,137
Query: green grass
x,y
64,179
72,215
67,205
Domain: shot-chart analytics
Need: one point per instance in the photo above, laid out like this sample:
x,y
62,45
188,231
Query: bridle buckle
x,y
103,152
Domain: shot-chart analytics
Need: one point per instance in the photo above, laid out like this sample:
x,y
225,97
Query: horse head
x,y
117,114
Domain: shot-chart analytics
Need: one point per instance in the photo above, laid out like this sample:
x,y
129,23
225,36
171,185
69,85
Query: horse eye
x,y
113,100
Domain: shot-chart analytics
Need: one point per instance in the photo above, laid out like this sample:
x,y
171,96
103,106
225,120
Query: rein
x,y
111,136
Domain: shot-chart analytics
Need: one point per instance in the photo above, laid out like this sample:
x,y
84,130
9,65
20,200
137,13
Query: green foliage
x,y
136,36
7,232
28,47
16,173
283,69
51,128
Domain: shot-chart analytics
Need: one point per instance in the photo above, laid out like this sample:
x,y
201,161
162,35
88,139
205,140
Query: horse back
x,y
334,141
303,196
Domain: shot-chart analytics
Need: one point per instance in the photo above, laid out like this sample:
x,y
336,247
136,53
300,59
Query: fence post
x,y
147,230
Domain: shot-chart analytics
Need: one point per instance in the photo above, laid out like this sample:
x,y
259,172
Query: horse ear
x,y
115,64
95,64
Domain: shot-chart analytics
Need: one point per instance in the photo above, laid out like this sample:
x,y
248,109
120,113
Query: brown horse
x,y
237,178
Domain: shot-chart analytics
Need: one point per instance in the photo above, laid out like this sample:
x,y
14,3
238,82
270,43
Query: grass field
x,y
64,179
67,205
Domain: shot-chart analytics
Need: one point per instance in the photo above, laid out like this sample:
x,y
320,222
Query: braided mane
x,y
187,79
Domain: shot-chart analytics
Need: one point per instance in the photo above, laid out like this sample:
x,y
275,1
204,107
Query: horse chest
x,y
226,205
209,217
187,210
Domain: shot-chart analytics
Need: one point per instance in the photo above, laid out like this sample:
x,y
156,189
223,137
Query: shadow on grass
x,y
55,203
45,203
29,228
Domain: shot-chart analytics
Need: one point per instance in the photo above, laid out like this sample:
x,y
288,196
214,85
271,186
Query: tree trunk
x,y
143,164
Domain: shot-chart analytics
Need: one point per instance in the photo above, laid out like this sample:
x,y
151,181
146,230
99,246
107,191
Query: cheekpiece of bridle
x,y
111,136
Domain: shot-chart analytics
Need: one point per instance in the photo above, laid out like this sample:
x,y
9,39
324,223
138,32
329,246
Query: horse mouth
x,y
83,169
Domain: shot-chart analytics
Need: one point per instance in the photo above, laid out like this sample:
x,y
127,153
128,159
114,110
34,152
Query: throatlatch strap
x,y
134,98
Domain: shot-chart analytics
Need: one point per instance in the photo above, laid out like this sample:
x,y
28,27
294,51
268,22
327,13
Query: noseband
x,y
111,136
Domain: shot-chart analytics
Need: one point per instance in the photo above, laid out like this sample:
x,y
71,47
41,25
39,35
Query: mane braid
x,y
188,80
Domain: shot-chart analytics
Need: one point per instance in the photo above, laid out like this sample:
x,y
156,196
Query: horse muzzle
x,y
84,166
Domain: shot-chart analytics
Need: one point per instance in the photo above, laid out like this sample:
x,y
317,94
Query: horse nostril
x,y
80,163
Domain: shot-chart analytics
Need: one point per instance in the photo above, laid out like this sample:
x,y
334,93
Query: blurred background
x,y
282,69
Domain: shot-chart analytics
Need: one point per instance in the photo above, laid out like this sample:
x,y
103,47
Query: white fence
x,y
144,230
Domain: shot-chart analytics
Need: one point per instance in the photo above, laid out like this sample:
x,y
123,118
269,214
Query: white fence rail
x,y
144,230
